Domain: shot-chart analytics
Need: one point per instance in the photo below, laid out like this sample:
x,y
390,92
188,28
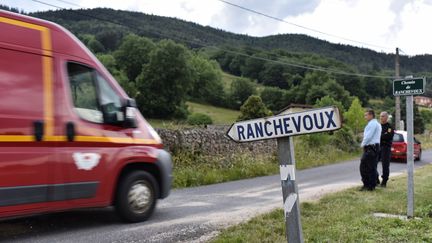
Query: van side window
x,y
84,94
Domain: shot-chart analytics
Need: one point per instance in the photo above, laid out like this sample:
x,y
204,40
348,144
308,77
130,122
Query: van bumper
x,y
164,163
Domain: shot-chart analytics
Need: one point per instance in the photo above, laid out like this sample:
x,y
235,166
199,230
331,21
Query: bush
x,y
241,89
315,140
253,108
344,139
274,98
199,119
329,101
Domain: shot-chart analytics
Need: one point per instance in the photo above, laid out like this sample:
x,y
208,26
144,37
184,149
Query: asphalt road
x,y
189,215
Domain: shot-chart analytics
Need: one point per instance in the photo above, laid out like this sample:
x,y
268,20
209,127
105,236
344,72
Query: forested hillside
x,y
364,60
162,75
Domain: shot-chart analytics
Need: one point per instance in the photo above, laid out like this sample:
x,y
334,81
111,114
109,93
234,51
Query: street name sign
x,y
310,121
283,127
410,86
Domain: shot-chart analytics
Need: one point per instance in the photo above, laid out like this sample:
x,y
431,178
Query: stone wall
x,y
211,140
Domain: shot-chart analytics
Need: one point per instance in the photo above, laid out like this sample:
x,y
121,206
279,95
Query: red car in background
x,y
399,147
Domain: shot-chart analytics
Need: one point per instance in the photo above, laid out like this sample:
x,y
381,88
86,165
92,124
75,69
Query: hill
x,y
102,22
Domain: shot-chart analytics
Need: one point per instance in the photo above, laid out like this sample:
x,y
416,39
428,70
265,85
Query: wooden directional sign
x,y
410,86
310,121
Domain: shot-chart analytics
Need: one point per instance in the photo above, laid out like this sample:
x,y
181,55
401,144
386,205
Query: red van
x,y
70,137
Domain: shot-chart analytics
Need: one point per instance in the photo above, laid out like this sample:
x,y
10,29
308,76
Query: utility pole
x,y
397,98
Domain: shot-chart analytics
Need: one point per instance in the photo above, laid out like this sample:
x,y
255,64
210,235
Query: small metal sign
x,y
410,86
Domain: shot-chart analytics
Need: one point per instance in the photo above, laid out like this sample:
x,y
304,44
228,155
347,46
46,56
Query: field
x,y
220,116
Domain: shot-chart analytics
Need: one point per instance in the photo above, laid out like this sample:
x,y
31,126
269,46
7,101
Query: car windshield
x,y
398,137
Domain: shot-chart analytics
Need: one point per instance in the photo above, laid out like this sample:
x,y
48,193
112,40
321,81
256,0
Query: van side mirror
x,y
130,114
111,114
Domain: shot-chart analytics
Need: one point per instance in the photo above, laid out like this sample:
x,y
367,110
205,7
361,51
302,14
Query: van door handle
x,y
38,128
70,131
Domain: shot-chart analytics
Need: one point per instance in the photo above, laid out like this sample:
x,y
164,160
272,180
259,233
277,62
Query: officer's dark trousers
x,y
385,160
368,167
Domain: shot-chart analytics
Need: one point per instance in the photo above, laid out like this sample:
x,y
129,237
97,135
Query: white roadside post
x,y
283,127
409,87
289,189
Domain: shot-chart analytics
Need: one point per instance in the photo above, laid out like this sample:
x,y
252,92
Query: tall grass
x,y
194,169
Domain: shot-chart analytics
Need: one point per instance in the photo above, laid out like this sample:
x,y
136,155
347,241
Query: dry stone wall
x,y
211,140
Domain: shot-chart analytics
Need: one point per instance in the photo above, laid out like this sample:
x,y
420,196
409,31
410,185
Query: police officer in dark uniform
x,y
387,132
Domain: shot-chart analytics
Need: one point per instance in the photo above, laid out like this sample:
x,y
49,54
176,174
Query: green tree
x,y
253,67
92,43
311,79
274,98
274,75
329,88
109,62
329,101
376,87
241,89
165,81
426,115
133,53
253,108
354,117
419,124
110,38
207,81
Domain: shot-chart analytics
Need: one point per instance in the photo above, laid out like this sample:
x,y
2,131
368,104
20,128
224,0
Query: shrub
x,y
274,98
345,140
199,119
253,108
241,89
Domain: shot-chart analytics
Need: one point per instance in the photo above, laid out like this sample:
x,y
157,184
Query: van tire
x,y
136,196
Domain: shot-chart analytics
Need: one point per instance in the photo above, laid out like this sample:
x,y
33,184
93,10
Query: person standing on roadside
x,y
387,132
371,147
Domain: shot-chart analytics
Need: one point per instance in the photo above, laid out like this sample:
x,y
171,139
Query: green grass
x,y
348,217
219,115
196,169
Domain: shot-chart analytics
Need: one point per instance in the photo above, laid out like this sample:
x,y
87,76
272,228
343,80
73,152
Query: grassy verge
x,y
426,140
220,116
347,217
196,169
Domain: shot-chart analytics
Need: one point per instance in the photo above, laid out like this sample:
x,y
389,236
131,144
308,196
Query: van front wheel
x,y
136,196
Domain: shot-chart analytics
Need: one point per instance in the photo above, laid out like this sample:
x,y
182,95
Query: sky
x,y
381,25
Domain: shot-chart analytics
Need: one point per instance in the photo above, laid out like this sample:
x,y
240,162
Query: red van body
x,y
70,137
